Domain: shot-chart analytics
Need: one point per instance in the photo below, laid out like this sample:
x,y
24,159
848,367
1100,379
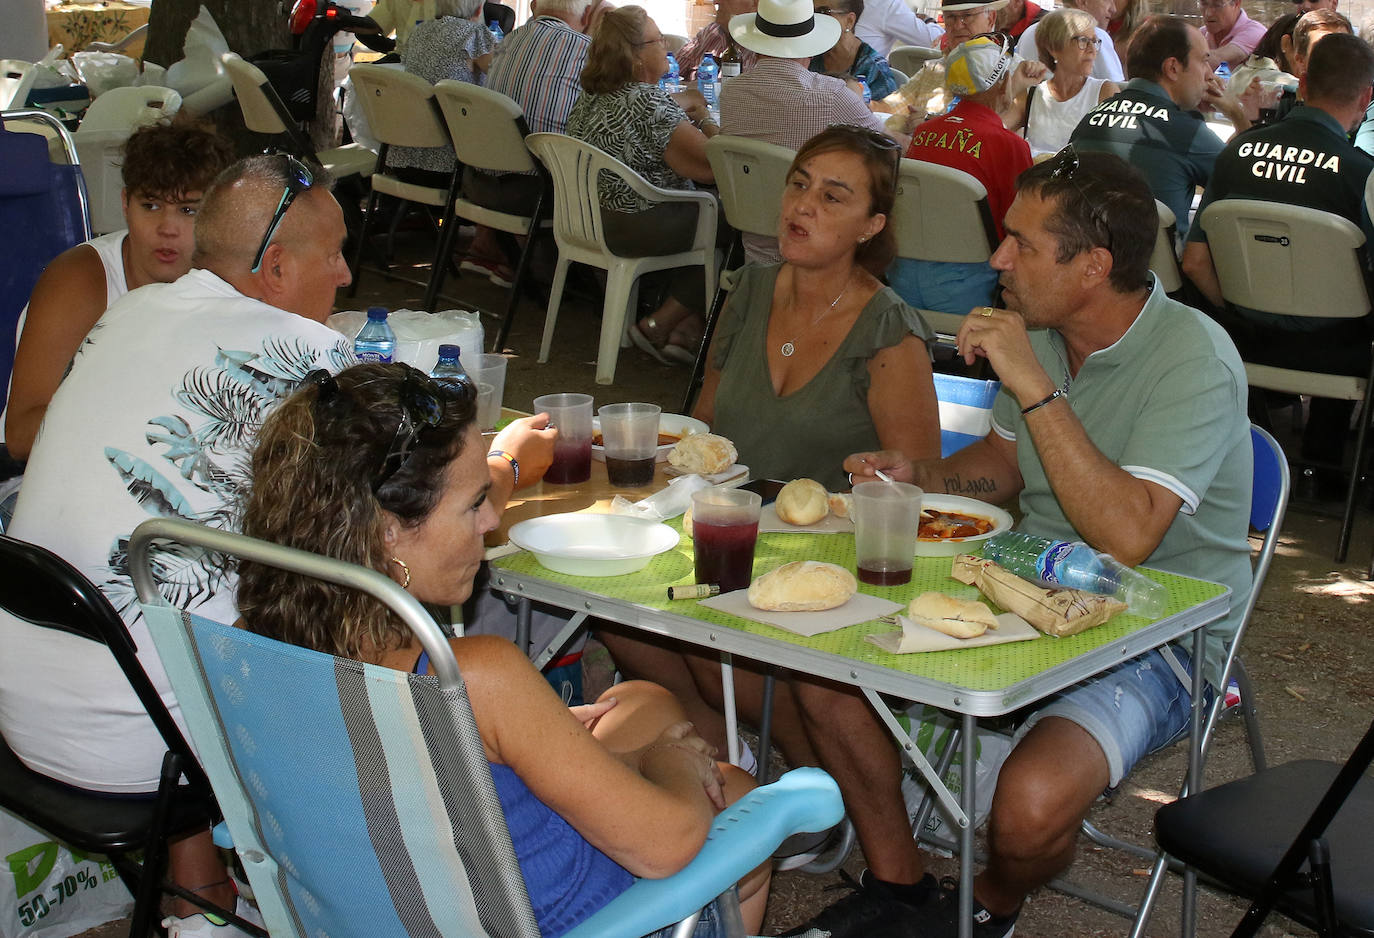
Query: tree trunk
x,y
249,27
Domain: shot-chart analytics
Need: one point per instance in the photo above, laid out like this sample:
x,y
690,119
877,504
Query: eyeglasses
x,y
299,180
1085,43
964,17
650,42
872,138
422,407
1065,167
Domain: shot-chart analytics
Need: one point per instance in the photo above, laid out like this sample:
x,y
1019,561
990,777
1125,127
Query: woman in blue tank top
x,y
384,467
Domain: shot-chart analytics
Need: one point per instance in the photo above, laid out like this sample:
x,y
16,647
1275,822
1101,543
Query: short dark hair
x,y
1314,20
1340,70
170,158
1160,38
1271,46
1100,201
313,471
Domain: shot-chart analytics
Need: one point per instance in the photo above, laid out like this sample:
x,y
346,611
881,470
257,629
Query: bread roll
x,y
802,501
841,505
703,453
961,618
687,521
803,586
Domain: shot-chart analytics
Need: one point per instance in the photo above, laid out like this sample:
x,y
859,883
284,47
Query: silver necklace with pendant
x,y
788,348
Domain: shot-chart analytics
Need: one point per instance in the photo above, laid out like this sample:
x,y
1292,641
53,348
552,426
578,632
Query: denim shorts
x,y
708,926
1132,710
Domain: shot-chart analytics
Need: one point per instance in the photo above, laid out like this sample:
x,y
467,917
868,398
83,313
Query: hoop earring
x,y
404,569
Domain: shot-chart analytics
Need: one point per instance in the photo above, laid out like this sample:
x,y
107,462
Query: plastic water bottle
x,y
672,79
449,369
868,95
1224,72
494,27
375,342
707,72
1075,565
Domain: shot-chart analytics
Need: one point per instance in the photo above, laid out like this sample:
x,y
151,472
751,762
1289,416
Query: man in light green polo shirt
x,y
1121,422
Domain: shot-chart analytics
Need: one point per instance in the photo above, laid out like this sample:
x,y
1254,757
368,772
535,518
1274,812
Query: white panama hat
x,y
787,29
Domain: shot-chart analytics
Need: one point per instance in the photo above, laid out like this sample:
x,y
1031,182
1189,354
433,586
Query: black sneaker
x,y
943,920
872,910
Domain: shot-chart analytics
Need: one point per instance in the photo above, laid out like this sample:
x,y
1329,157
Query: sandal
x,y
645,344
680,353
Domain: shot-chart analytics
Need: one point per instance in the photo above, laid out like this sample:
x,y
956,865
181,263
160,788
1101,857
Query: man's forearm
x,y
1109,508
976,471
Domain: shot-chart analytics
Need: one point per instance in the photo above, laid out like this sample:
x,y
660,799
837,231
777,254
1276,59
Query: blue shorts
x,y
708,926
1136,708
943,287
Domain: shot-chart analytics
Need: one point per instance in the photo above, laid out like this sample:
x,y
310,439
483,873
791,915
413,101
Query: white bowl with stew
x,y
998,520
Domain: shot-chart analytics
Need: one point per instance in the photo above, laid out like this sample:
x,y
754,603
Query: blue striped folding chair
x,y
359,798
965,410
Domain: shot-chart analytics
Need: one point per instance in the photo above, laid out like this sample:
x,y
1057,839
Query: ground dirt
x,y
1310,650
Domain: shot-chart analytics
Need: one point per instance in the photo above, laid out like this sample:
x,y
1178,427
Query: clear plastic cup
x,y
725,528
629,435
572,453
490,370
887,520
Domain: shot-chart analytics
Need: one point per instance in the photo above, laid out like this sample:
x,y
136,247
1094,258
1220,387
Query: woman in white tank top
x,y
167,166
1067,43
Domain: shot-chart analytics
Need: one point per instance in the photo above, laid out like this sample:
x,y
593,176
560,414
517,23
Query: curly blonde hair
x,y
614,52
317,459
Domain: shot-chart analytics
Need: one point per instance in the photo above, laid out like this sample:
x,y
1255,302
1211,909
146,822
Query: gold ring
x,y
987,311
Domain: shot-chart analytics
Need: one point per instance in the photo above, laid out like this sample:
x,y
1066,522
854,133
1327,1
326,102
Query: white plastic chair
x,y
1164,259
401,111
580,235
109,121
16,78
1293,261
264,113
911,59
942,215
750,176
488,131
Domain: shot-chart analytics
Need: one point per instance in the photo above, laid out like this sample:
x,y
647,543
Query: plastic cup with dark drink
x,y
887,519
629,434
725,527
572,452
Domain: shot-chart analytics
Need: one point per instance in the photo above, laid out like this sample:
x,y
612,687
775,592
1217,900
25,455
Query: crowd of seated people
x,y
204,319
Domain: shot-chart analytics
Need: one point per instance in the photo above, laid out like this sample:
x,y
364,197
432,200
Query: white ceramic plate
x,y
948,547
677,424
582,544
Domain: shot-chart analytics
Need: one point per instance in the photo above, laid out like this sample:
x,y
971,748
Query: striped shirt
x,y
538,67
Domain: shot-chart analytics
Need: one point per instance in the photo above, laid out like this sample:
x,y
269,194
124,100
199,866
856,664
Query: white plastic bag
x,y
932,730
201,64
53,71
419,334
48,890
103,71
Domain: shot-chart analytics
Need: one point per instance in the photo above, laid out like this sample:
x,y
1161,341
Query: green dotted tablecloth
x,y
987,668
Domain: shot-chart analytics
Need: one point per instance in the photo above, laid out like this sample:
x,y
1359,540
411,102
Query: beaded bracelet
x,y
1058,393
514,466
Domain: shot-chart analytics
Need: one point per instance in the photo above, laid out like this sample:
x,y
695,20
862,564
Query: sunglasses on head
x,y
1065,166
299,179
880,142
422,401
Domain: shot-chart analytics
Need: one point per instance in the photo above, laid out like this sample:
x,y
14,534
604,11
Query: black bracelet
x,y
514,466
1058,393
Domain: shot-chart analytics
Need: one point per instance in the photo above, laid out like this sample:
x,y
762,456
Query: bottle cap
x,y
376,313
449,351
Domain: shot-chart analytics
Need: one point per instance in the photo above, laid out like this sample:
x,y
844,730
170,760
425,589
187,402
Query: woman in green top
x,y
814,355
811,356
